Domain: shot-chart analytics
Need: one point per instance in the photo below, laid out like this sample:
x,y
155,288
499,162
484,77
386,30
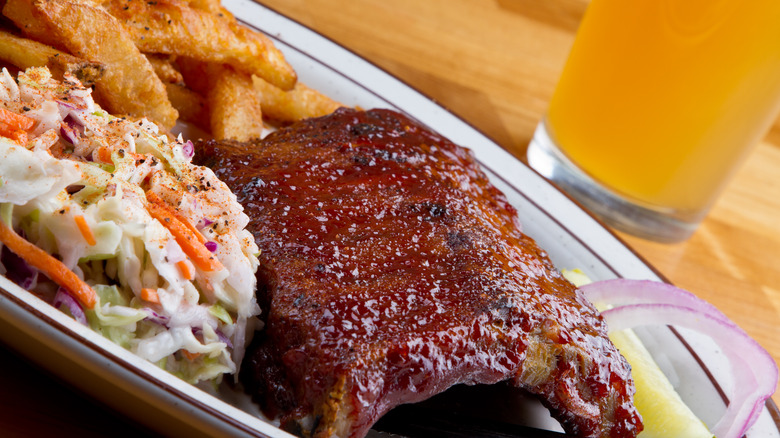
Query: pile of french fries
x,y
165,60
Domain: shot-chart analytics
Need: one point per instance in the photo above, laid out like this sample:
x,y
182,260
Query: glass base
x,y
662,225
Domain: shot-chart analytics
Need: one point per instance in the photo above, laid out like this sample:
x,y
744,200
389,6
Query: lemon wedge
x,y
664,413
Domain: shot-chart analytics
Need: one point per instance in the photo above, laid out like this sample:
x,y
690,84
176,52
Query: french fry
x,y
195,74
234,105
212,6
172,27
25,53
21,14
129,84
191,106
164,69
289,106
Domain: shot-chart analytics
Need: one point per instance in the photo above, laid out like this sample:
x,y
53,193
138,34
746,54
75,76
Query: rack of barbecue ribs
x,y
391,269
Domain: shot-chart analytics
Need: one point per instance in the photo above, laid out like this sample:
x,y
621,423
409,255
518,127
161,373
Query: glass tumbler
x,y
658,103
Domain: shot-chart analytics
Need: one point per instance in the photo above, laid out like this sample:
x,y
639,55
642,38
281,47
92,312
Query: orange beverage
x,y
661,99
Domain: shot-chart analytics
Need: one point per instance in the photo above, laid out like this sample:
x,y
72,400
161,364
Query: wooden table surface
x,y
494,63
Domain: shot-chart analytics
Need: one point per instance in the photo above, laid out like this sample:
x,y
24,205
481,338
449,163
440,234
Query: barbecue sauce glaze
x,y
392,269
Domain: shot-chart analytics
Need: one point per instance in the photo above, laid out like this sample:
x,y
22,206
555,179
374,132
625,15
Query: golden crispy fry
x,y
129,85
173,27
195,74
164,69
212,6
25,53
289,106
21,14
191,106
234,105
232,102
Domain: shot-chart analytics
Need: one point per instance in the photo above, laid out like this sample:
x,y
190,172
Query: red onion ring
x,y
654,303
620,292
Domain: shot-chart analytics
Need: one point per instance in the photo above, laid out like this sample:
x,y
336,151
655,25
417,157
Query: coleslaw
x,y
159,244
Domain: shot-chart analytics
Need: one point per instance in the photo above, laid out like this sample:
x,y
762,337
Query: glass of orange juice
x,y
658,103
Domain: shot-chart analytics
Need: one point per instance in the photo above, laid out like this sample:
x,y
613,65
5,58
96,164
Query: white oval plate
x,y
571,236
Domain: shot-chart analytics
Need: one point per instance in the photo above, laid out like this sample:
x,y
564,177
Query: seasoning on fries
x,y
289,106
172,27
167,60
25,53
235,106
129,84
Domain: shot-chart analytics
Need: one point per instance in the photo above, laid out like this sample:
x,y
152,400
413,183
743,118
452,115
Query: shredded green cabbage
x,y
197,328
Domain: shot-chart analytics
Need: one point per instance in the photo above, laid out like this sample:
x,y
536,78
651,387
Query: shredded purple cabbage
x,y
156,317
197,331
63,298
18,270
67,105
71,128
188,148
